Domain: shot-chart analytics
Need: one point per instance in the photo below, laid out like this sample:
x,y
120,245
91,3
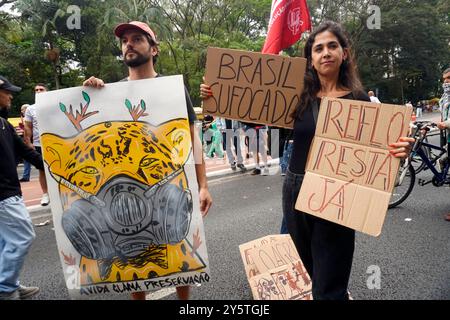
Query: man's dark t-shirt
x,y
11,146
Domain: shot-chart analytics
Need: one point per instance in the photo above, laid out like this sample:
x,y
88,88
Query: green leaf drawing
x,y
143,105
128,104
86,97
62,107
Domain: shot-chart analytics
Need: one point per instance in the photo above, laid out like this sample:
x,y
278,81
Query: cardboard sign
x,y
350,174
253,87
123,186
288,282
274,269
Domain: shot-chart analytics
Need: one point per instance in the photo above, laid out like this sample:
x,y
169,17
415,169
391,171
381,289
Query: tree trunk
x,y
56,75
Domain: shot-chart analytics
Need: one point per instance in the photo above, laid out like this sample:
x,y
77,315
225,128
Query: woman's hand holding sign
x,y
402,147
205,90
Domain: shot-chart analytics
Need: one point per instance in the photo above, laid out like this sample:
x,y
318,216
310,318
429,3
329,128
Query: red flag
x,y
288,20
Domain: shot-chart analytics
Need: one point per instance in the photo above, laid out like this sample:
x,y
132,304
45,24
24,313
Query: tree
x,y
403,60
406,55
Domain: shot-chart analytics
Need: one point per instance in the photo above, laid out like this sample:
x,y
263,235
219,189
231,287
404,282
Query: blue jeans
x,y
16,236
284,161
26,170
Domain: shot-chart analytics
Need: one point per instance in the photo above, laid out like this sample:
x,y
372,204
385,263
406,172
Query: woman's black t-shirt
x,y
304,130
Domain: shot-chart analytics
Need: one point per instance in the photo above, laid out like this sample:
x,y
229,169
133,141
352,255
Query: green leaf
x,y
143,105
128,104
62,107
86,97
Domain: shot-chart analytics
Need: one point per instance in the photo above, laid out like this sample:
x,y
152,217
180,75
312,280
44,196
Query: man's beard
x,y
137,61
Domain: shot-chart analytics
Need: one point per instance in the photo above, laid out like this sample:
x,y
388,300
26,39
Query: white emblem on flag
x,y
294,21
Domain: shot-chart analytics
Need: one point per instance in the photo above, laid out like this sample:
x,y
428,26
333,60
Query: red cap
x,y
136,25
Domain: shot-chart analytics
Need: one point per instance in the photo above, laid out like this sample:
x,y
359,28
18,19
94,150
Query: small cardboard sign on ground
x,y
350,174
253,87
274,269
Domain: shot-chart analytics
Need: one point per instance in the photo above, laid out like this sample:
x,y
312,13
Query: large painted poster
x,y
123,186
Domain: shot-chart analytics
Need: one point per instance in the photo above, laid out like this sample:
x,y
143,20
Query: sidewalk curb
x,y
39,212
228,171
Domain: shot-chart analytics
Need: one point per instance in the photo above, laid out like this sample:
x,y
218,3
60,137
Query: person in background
x,y
213,131
231,135
26,165
16,228
257,145
206,136
33,139
419,109
444,106
373,98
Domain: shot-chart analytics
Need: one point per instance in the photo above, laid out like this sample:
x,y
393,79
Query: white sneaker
x,y
265,172
45,199
27,292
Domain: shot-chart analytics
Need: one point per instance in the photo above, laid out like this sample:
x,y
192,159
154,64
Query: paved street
x,y
413,256
412,251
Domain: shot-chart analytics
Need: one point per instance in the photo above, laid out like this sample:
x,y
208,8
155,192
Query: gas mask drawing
x,y
132,218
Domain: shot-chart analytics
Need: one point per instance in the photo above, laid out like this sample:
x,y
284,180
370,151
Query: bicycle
x,y
416,161
407,175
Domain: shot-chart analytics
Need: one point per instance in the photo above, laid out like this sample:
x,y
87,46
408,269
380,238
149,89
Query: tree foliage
x,y
402,61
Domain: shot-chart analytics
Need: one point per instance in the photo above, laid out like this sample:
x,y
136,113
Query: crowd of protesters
x,y
326,248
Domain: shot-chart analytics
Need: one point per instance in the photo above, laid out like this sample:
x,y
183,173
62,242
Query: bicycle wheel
x,y
403,185
417,162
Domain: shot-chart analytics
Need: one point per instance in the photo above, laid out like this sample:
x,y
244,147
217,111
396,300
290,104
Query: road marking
x,y
47,215
160,294
232,177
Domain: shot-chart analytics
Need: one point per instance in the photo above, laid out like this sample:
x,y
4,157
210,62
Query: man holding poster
x,y
140,51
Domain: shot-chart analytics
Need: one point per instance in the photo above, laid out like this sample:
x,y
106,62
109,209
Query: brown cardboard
x,y
277,253
281,243
370,167
350,173
381,124
253,87
288,282
274,269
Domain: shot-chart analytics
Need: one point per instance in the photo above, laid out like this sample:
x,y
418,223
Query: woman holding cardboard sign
x,y
325,248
